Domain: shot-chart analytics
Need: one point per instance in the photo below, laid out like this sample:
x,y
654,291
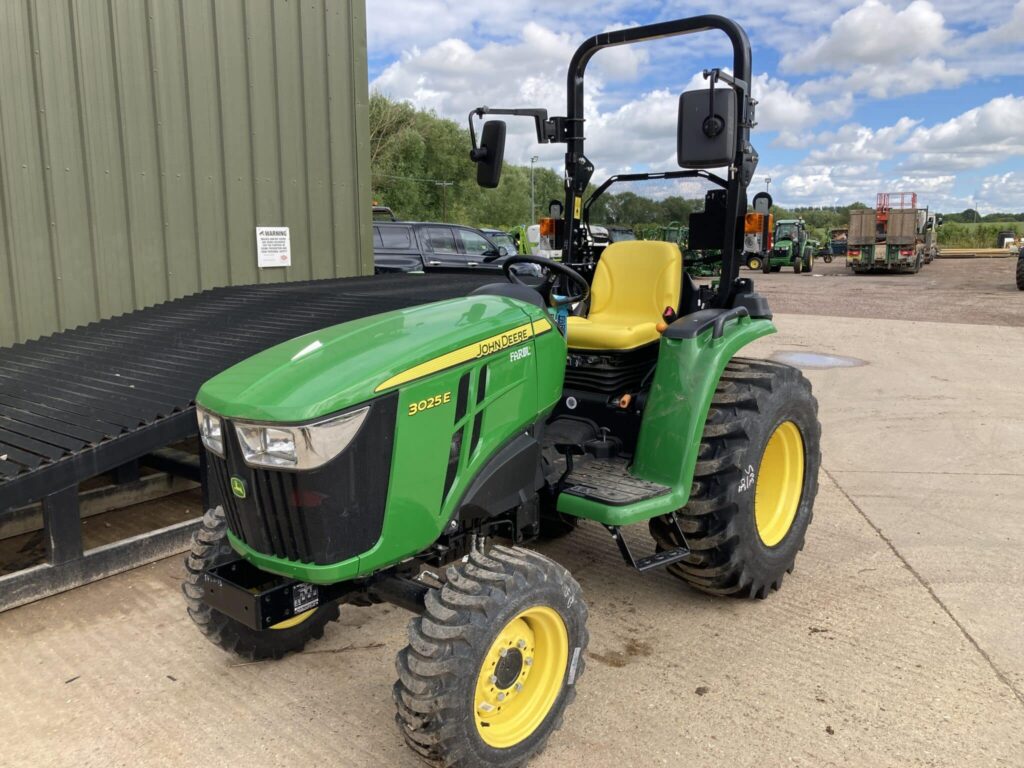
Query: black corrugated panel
x,y
66,394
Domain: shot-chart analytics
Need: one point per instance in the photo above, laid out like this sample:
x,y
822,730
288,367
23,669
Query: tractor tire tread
x,y
209,545
459,618
717,563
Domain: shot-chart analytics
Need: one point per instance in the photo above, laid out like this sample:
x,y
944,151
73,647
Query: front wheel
x,y
1020,273
798,266
754,484
493,663
210,547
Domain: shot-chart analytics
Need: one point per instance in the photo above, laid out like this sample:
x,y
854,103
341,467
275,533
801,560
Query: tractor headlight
x,y
301,447
211,431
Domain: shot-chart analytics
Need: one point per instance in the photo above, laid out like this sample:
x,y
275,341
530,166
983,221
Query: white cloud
x,y
1002,192
873,33
789,110
978,137
857,143
881,81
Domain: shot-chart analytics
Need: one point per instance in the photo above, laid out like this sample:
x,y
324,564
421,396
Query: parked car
x,y
383,213
502,240
620,234
413,246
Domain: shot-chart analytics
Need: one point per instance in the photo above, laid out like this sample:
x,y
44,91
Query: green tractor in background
x,y
791,247
410,456
696,263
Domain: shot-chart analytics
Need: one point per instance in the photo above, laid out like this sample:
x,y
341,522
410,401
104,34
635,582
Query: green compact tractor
x,y
411,456
791,247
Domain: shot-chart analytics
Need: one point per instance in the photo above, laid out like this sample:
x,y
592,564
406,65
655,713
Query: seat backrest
x,y
635,280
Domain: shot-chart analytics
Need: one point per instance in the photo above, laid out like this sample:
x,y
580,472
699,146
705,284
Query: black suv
x,y
410,246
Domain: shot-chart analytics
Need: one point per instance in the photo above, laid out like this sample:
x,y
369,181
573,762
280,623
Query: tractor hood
x,y
325,371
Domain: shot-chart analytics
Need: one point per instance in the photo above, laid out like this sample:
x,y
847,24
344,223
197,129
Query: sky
x,y
855,96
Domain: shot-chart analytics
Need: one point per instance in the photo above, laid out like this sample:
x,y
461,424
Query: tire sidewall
x,y
565,599
788,402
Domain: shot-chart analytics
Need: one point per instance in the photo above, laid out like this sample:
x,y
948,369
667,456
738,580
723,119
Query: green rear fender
x,y
684,383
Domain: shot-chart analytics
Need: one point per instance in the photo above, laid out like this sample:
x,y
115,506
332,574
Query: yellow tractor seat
x,y
635,281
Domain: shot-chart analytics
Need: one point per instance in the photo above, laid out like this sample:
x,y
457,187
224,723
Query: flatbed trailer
x,y
110,395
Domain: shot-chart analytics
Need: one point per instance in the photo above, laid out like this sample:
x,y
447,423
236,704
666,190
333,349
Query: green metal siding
x,y
143,141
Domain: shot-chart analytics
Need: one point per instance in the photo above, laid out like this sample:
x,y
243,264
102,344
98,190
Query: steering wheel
x,y
555,270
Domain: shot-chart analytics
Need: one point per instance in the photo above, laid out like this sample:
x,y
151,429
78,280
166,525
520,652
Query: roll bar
x,y
579,170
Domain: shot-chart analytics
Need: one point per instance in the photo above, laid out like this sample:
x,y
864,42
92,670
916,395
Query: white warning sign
x,y
273,247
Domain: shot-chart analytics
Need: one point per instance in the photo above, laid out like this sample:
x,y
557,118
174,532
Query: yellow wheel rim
x,y
780,482
521,677
295,620
754,264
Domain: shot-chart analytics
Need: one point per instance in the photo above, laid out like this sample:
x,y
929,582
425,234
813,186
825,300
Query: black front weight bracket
x,y
259,600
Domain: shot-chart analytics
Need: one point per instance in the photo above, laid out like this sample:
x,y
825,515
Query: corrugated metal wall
x,y
142,142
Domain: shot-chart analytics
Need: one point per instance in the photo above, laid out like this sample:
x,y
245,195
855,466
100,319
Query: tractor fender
x,y
687,374
510,478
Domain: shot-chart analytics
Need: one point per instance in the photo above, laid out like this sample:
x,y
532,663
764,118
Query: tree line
x,y
421,170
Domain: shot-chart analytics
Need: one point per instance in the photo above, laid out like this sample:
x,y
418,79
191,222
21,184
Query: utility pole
x,y
767,184
444,198
533,207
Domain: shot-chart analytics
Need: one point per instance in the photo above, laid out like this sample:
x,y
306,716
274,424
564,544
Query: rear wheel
x,y
492,664
210,547
1020,273
754,263
754,484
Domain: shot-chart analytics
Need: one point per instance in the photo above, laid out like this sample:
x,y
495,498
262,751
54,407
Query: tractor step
x,y
608,481
658,559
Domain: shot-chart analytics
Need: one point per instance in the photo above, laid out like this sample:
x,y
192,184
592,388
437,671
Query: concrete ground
x,y
977,291
896,642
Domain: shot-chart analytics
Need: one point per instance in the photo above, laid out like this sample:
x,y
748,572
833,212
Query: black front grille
x,y
319,516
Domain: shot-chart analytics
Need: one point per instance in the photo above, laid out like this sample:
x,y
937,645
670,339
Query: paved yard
x,y
896,642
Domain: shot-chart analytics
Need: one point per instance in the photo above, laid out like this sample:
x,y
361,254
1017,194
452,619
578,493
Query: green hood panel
x,y
323,372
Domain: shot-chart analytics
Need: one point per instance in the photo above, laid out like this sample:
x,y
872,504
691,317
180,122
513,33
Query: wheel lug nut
x,y
503,652
485,707
492,679
528,661
519,687
521,644
501,697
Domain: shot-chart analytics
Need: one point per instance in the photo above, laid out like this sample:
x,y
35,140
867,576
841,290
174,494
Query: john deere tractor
x,y
791,247
411,456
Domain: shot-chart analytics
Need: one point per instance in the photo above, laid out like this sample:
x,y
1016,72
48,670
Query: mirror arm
x,y
548,130
716,74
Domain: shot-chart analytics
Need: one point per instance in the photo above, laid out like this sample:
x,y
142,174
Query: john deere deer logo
x,y
238,487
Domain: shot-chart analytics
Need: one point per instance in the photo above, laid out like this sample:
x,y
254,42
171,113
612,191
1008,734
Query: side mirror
x,y
706,136
489,155
502,251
